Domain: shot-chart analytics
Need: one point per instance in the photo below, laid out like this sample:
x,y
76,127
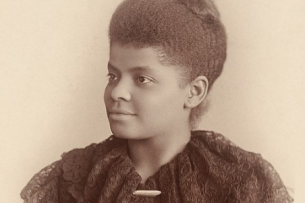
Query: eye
x,y
144,79
112,77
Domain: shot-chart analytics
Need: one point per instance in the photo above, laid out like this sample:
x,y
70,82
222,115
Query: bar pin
x,y
147,193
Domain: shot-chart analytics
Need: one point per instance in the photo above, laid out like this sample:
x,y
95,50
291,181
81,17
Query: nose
x,y
120,92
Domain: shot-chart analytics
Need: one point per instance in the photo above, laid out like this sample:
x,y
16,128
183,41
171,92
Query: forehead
x,y
131,56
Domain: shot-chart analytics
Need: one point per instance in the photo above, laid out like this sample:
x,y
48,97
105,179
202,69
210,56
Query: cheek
x,y
107,93
160,104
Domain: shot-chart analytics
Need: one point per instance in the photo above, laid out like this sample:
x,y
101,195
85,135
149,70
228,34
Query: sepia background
x,y
53,57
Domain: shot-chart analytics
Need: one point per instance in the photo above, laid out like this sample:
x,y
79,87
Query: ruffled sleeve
x,y
245,175
264,184
62,181
43,187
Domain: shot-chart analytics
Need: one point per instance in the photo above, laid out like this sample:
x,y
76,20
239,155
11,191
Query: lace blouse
x,y
210,169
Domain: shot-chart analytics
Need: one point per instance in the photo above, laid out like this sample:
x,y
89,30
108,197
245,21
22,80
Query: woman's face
x,y
143,98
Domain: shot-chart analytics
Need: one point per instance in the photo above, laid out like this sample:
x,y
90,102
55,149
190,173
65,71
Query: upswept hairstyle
x,y
186,33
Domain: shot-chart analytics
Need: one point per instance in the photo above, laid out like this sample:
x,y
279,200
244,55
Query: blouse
x,y
210,169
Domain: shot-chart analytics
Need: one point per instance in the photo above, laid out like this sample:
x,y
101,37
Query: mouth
x,y
119,114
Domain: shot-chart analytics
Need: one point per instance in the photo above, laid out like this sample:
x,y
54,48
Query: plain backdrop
x,y
53,57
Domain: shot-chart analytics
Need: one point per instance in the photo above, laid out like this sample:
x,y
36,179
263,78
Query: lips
x,y
119,114
120,111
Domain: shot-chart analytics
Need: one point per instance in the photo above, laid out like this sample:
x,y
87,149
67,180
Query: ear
x,y
197,91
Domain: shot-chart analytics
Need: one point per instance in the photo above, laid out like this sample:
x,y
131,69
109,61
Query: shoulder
x,y
57,180
221,147
246,174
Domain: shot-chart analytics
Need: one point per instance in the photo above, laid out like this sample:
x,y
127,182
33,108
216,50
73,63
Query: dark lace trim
x,y
210,169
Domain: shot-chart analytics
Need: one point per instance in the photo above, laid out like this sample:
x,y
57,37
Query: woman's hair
x,y
186,33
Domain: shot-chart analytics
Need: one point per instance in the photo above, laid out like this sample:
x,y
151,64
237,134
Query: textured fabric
x,y
210,169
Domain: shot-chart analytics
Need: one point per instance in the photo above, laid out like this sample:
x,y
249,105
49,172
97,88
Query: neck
x,y
148,155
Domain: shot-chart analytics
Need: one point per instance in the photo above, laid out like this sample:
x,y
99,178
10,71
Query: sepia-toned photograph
x,y
160,101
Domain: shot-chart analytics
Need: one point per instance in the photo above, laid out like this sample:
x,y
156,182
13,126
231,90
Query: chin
x,y
128,135
122,133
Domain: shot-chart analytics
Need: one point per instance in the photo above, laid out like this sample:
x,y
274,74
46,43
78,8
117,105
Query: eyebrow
x,y
133,69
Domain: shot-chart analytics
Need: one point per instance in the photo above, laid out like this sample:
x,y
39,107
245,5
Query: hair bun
x,y
204,9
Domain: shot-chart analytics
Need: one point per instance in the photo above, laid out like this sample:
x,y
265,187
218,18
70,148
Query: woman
x,y
164,58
